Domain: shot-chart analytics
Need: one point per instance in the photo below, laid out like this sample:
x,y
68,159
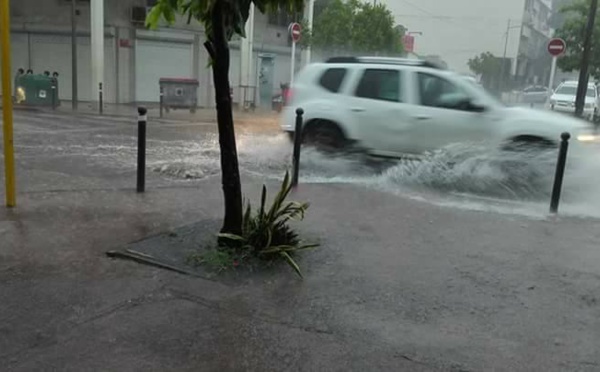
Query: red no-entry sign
x,y
295,32
557,47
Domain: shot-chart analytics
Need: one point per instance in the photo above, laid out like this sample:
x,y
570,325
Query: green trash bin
x,y
37,90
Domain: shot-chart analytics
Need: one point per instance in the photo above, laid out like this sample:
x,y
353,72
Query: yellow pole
x,y
7,111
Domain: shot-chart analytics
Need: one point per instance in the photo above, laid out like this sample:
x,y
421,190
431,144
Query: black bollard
x,y
100,98
161,101
297,143
560,172
141,160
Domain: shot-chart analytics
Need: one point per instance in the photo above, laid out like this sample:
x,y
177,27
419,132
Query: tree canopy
x,y
235,12
356,26
572,31
485,64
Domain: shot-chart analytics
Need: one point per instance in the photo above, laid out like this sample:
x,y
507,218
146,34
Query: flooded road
x,y
463,175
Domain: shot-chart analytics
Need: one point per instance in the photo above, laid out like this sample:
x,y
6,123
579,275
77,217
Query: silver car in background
x,y
535,94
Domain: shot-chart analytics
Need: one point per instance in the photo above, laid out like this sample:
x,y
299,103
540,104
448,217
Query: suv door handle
x,y
422,117
358,109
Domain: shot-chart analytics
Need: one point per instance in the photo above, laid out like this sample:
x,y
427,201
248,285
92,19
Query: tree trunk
x,y
230,172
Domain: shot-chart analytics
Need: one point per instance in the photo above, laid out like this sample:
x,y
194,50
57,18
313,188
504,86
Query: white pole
x,y
250,35
309,14
293,62
243,81
552,73
97,41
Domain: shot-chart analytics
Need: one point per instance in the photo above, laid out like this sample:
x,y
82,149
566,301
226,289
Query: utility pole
x,y
74,97
503,69
585,60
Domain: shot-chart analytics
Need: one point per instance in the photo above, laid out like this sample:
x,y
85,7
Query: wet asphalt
x,y
399,283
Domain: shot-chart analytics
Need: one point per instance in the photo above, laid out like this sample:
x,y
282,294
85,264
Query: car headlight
x,y
588,138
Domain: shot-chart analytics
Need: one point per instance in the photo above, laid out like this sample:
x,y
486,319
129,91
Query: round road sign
x,y
295,32
557,47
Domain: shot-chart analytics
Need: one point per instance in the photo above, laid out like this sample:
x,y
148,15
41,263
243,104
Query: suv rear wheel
x,y
324,135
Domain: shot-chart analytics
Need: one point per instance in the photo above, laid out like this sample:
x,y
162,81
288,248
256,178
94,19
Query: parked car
x,y
535,94
563,99
405,108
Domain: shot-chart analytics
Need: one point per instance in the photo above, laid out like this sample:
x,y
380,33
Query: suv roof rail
x,y
384,61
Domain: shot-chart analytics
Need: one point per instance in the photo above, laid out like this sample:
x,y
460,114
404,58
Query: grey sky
x,y
459,29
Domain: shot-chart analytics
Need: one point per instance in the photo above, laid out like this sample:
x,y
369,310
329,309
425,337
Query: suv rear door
x,y
378,109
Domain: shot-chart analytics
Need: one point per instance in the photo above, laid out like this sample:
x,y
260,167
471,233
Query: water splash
x,y
472,176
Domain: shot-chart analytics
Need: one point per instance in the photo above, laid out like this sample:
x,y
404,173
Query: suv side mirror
x,y
476,106
471,105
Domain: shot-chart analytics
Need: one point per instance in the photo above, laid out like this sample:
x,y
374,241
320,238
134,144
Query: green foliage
x,y
235,12
485,64
572,31
266,233
307,35
356,26
218,260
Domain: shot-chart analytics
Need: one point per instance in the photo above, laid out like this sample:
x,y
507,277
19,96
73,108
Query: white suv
x,y
405,108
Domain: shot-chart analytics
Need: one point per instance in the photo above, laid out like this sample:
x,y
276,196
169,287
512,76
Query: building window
x,y
282,18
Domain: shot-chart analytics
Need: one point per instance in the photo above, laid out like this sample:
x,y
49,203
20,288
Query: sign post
x,y
295,31
556,48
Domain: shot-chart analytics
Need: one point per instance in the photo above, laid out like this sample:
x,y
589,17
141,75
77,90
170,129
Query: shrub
x,y
266,233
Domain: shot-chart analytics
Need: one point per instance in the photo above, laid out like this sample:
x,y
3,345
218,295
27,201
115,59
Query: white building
x,y
136,58
533,61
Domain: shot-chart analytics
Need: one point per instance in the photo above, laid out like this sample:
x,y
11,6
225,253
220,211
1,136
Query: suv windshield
x,y
570,90
480,91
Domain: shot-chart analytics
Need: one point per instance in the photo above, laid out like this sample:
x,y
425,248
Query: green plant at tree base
x,y
215,259
266,234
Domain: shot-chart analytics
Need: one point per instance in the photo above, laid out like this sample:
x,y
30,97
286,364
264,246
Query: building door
x,y
160,59
265,79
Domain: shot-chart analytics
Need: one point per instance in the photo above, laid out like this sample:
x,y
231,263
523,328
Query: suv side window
x,y
439,92
380,84
332,79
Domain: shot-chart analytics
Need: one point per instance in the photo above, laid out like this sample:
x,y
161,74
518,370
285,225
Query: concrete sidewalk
x,y
398,284
206,115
